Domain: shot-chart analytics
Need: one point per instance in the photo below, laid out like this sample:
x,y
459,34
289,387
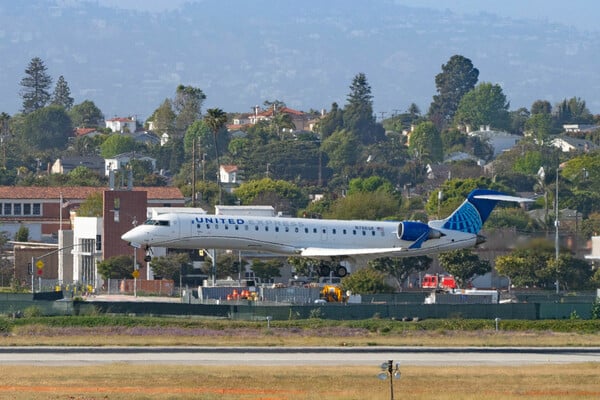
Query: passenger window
x,y
333,231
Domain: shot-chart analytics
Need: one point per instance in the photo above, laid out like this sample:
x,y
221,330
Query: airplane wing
x,y
321,252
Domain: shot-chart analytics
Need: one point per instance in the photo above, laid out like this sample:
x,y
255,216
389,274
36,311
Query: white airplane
x,y
355,241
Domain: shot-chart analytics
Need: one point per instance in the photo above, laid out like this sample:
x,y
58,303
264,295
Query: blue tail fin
x,y
475,210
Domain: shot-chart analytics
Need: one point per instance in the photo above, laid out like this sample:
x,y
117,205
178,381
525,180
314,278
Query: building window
x,y
17,208
7,209
26,209
37,209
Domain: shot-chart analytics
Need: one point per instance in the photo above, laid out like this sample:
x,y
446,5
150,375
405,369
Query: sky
x,y
242,54
580,14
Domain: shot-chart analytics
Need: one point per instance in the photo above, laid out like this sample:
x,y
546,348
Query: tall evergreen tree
x,y
188,106
62,94
458,77
358,114
35,86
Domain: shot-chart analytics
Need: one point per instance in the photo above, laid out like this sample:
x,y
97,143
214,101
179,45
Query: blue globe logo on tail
x,y
475,210
465,219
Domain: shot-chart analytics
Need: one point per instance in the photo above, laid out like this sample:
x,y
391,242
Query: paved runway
x,y
431,356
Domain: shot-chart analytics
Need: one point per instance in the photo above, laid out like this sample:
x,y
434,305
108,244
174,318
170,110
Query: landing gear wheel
x,y
341,271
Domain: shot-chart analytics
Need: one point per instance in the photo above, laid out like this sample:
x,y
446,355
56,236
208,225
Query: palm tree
x,y
215,119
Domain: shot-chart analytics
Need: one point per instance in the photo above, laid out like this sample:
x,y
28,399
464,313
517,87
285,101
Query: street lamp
x,y
392,372
556,223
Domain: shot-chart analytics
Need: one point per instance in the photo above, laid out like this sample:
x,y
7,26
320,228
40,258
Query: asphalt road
x,y
431,356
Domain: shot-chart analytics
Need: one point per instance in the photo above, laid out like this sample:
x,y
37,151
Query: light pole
x,y
392,372
556,223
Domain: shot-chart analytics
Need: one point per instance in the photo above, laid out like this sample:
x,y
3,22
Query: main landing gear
x,y
324,269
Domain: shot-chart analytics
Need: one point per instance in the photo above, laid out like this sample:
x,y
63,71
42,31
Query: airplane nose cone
x,y
130,236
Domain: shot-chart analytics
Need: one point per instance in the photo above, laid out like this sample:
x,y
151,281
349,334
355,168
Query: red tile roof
x,y
80,192
84,131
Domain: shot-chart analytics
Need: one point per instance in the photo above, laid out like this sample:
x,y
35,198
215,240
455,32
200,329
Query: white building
x,y
499,140
119,124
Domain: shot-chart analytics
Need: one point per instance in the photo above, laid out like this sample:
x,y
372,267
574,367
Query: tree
x,y
35,86
331,122
527,265
539,126
358,114
257,191
541,107
426,142
366,281
116,144
483,105
170,266
570,272
47,128
83,176
401,268
92,206
365,205
164,117
457,78
188,106
117,267
215,119
22,234
342,149
86,115
62,94
463,264
573,111
266,270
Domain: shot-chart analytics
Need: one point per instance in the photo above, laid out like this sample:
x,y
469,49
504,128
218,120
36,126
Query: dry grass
x,y
123,381
105,336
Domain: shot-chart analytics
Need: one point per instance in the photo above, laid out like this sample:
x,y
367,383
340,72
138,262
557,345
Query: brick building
x,y
92,240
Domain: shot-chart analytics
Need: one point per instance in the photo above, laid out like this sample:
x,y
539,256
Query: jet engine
x,y
414,230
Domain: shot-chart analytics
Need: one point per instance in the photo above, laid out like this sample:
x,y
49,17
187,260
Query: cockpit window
x,y
156,222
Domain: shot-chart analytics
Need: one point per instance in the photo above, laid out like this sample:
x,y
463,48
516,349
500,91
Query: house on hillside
x,y
121,161
64,165
568,144
122,124
500,141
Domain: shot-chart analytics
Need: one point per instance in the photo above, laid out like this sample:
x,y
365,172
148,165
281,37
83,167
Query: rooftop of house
x,y
80,192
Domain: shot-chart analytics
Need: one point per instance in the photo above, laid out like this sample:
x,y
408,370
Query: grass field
x,y
122,381
135,381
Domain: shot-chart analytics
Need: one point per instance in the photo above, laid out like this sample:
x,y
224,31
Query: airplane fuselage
x,y
295,236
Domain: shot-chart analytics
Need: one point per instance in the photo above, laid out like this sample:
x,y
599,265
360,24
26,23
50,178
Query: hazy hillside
x,y
304,53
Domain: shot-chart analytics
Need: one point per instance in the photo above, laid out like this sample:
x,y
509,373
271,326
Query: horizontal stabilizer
x,y
502,197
